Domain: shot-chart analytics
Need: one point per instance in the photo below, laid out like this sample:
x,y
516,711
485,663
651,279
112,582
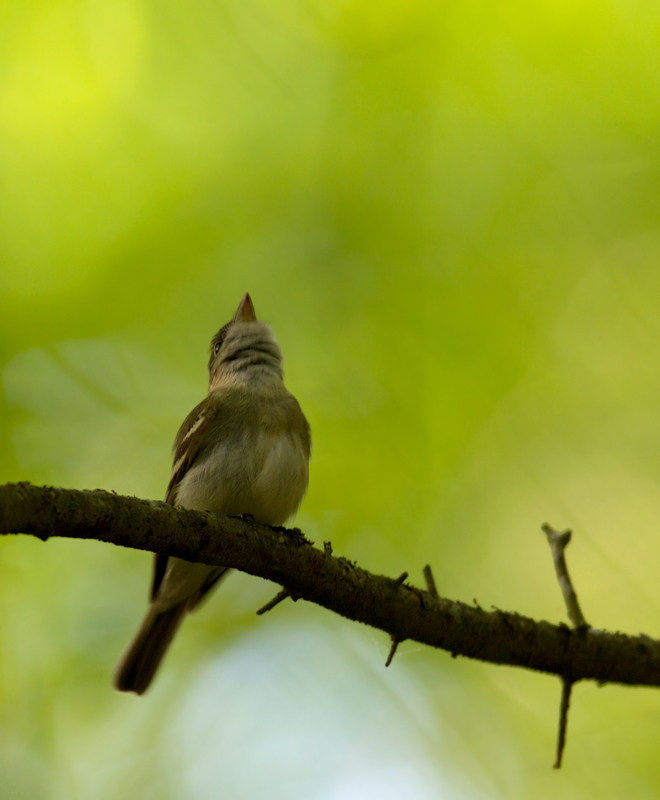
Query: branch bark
x,y
286,557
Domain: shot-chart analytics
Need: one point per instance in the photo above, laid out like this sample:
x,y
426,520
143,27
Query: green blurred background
x,y
450,215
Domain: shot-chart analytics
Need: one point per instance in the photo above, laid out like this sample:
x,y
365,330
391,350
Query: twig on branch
x,y
287,558
566,687
274,602
395,644
430,581
558,543
395,639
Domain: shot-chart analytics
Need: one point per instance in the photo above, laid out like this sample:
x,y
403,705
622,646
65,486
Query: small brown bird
x,y
243,450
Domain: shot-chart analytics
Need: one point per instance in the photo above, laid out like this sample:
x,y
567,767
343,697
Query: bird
x,y
243,451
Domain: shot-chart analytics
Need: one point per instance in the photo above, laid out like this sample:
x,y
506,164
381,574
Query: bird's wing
x,y
188,446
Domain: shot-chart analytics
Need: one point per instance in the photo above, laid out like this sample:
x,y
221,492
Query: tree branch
x,y
288,558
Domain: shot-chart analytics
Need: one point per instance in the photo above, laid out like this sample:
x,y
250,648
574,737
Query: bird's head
x,y
244,348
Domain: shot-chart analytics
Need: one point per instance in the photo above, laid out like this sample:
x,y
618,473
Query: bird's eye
x,y
217,347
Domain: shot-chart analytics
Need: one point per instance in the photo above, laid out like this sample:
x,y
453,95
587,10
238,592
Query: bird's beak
x,y
245,311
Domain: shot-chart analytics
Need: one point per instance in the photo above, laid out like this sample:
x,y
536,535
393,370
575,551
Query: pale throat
x,y
256,377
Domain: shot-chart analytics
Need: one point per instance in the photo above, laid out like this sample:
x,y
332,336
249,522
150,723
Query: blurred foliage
x,y
450,215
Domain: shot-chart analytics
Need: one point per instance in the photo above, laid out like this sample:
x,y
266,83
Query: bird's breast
x,y
262,473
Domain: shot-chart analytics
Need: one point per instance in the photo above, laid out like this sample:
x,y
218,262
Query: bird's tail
x,y
140,662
